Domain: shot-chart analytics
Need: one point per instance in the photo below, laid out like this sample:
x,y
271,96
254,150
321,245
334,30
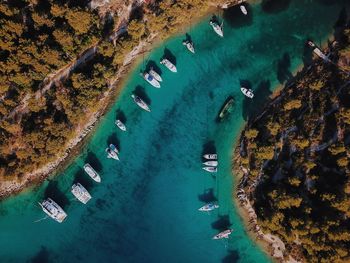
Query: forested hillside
x,y
296,156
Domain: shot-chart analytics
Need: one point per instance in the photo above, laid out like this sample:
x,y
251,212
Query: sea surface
x,y
146,207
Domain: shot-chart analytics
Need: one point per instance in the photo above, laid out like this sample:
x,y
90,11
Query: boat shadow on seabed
x,y
120,115
236,19
232,257
140,92
82,178
52,191
207,196
169,55
152,64
222,223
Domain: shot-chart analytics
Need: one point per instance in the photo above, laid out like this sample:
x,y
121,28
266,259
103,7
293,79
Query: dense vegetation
x,y
297,154
41,37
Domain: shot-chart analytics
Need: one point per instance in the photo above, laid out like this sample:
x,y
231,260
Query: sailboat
x,y
143,105
53,210
155,75
210,169
189,45
212,156
92,173
208,207
211,163
120,125
168,65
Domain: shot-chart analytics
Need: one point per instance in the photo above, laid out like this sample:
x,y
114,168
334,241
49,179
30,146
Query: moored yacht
x,y
112,152
223,234
209,156
243,9
80,193
208,207
120,125
210,169
92,173
151,80
168,65
247,92
217,27
53,210
155,75
140,103
189,45
211,163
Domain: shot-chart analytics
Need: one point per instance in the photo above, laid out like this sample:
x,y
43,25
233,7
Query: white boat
x,y
223,234
208,207
212,156
211,163
53,210
151,80
155,75
92,173
189,45
217,28
80,193
168,65
140,103
112,152
120,125
114,148
210,169
243,9
247,92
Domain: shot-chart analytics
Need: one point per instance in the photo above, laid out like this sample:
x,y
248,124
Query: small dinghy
x,y
247,92
211,163
208,207
189,45
210,169
155,75
213,156
120,125
243,9
223,234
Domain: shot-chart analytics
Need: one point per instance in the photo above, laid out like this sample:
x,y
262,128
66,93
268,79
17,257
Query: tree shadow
x,y
120,115
82,178
250,107
56,194
169,55
207,196
232,257
339,26
141,92
275,6
236,19
152,64
208,148
283,69
41,257
222,223
92,159
113,139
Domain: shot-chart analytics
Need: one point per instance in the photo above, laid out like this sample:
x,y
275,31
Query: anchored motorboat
x,y
243,9
92,173
212,156
120,125
53,210
210,169
211,163
189,45
81,193
151,80
168,65
208,207
140,103
217,27
247,92
155,74
112,152
223,234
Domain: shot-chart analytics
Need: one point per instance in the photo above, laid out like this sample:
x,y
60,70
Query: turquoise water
x,y
145,208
